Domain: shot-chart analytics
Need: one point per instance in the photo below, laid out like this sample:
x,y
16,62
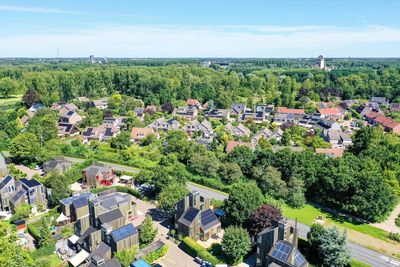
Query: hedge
x,y
43,252
156,254
196,250
33,231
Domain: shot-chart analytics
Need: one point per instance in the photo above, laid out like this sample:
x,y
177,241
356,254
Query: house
x,y
187,112
257,116
57,165
63,105
267,134
194,103
264,108
151,109
35,107
103,228
347,104
309,121
238,131
394,107
83,99
204,127
35,193
76,206
331,113
7,191
277,246
98,175
379,100
297,113
218,114
232,144
365,109
100,103
101,133
336,138
331,152
113,122
238,109
139,113
138,134
388,124
194,218
162,124
327,125
282,118
3,166
67,129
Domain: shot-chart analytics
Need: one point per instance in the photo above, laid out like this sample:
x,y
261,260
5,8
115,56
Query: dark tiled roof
x,y
188,217
110,216
101,250
208,219
88,132
80,202
123,232
88,232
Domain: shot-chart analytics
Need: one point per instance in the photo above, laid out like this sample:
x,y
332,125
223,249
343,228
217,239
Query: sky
x,y
200,28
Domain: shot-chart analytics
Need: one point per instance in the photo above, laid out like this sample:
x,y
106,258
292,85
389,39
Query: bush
x,y
43,252
34,232
397,221
155,255
395,236
195,250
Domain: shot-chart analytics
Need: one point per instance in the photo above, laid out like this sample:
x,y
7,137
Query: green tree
x,y
132,120
270,182
170,195
230,172
44,125
45,236
235,244
295,196
59,187
148,231
243,200
333,248
8,87
31,97
21,212
24,147
127,256
121,141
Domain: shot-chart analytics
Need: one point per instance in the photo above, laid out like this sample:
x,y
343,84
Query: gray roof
x,y
189,215
5,181
101,250
110,216
123,232
208,219
21,193
113,262
88,232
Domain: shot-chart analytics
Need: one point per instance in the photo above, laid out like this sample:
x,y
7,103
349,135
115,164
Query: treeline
x,y
161,84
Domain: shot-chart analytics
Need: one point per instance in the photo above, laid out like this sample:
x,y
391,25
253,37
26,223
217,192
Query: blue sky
x,y
218,28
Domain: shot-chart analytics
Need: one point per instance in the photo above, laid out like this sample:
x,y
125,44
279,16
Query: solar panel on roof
x,y
190,214
208,217
123,232
281,251
299,259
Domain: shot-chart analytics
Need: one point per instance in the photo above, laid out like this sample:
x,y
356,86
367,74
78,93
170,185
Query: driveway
x,y
175,256
28,171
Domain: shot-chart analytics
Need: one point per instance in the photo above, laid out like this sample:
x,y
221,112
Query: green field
x,y
309,213
10,102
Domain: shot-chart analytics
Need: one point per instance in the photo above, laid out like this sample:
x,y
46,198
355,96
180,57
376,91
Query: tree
x,y
30,97
121,141
243,156
243,200
230,172
167,108
24,147
21,212
132,120
44,125
147,231
333,248
8,86
45,236
59,188
270,182
262,218
313,237
235,244
205,165
127,256
295,196
170,195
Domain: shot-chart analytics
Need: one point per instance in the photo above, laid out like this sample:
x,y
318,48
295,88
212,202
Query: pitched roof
x,y
140,133
192,102
381,119
21,193
208,219
110,216
5,181
123,232
332,152
232,144
189,216
329,111
290,110
30,182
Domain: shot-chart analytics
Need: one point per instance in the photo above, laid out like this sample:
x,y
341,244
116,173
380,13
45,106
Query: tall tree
x,y
333,247
24,147
8,86
30,97
170,195
235,244
148,231
262,218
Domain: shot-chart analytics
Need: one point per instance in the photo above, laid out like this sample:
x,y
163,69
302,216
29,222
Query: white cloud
x,y
207,41
35,9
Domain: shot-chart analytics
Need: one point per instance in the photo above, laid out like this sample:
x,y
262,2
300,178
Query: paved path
x,y
208,193
117,167
360,253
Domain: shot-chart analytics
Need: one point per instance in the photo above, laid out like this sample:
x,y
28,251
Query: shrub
x,y
395,236
397,221
33,231
196,250
155,255
43,251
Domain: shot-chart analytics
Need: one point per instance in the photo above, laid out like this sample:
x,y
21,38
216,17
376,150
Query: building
x,y
14,193
67,129
218,114
151,109
204,127
102,227
379,100
36,193
238,109
139,113
194,218
194,103
7,191
277,246
331,113
337,138
3,166
187,112
331,152
394,107
162,124
238,131
284,115
57,165
388,124
138,134
100,103
267,134
321,62
98,175
232,144
76,206
101,133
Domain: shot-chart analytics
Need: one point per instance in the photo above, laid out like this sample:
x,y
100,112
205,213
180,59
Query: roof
x,y
62,218
139,133
110,216
208,219
69,200
189,215
290,110
5,181
88,232
101,250
329,111
73,239
140,263
330,152
232,144
381,119
80,202
30,182
18,195
79,258
192,102
123,232
282,251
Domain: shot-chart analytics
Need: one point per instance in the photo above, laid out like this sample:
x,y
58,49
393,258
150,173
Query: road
x,y
208,193
358,252
113,165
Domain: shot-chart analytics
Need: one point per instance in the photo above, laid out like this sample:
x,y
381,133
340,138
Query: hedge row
x,y
196,250
156,254
33,231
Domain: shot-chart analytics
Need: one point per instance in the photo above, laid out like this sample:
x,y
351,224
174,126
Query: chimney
x,y
295,235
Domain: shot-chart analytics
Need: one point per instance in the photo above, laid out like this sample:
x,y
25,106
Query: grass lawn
x,y
309,213
356,263
208,188
9,103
